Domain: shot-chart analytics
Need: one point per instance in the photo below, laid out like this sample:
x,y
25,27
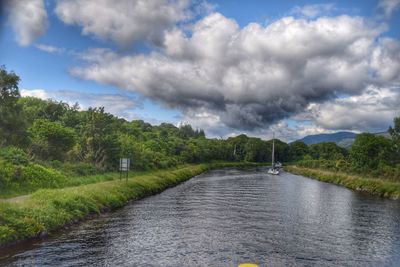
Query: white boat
x,y
274,169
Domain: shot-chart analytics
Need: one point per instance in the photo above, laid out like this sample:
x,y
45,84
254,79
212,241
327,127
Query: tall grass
x,y
375,186
49,209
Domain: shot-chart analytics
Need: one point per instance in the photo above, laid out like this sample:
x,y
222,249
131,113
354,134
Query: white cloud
x,y
252,77
39,93
373,110
389,6
313,11
50,49
126,21
117,104
28,18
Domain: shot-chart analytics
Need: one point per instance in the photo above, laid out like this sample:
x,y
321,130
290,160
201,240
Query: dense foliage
x,y
370,155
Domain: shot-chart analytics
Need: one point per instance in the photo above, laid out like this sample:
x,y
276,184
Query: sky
x,y
229,67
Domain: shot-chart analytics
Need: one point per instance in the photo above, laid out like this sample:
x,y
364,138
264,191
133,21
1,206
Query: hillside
x,y
341,138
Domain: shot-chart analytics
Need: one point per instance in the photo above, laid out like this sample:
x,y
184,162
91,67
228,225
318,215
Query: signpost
x,y
124,164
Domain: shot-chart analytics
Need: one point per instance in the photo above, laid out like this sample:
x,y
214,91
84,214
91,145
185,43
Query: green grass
x,y
34,177
49,209
375,186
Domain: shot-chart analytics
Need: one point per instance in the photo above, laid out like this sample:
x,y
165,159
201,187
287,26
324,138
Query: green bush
x,y
6,174
36,176
18,179
14,155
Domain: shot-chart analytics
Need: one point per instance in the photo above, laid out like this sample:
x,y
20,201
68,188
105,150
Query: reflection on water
x,y
226,217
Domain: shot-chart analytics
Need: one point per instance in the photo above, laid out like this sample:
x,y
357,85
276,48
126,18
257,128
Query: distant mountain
x,y
346,143
384,134
344,139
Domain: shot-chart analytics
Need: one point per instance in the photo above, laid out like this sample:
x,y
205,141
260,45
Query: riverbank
x,y
373,186
48,210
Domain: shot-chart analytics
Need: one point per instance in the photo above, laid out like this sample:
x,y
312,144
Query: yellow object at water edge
x,y
247,265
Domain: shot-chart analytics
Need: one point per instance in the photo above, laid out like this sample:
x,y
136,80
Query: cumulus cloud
x,y
389,6
252,77
373,110
28,18
126,21
313,11
117,104
385,61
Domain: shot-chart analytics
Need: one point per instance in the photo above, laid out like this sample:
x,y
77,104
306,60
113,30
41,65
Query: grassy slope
x,y
373,186
18,189
49,209
62,181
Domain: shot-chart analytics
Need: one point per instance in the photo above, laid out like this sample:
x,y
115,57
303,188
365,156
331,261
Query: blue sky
x,y
49,50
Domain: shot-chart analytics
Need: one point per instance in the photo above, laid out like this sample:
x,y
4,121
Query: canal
x,y
226,217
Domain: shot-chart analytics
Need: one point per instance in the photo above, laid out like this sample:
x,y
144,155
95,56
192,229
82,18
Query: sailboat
x,y
274,169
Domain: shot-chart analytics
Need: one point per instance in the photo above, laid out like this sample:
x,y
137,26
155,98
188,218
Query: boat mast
x,y
273,150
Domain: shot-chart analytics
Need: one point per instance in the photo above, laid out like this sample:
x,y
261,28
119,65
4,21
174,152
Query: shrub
x,y
26,179
14,155
36,176
6,173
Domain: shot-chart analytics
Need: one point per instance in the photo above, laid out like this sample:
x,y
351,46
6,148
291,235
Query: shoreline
x,y
48,211
372,186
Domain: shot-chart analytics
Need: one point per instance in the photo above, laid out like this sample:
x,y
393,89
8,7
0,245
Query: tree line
x,y
55,133
370,154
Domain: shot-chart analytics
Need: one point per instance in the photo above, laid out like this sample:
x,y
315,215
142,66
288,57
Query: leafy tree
x,y
35,108
51,140
12,123
368,151
237,145
298,150
395,135
257,150
98,138
327,150
186,131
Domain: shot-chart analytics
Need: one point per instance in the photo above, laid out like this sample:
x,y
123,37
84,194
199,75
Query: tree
x,y
328,151
238,144
186,131
257,150
50,139
298,150
12,123
98,132
368,151
395,134
35,108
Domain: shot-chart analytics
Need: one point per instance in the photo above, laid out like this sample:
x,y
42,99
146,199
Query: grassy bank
x,y
47,210
373,186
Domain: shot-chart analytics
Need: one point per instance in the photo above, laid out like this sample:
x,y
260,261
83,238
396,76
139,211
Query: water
x,y
226,217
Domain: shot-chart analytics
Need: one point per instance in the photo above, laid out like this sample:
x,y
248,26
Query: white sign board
x,y
124,164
